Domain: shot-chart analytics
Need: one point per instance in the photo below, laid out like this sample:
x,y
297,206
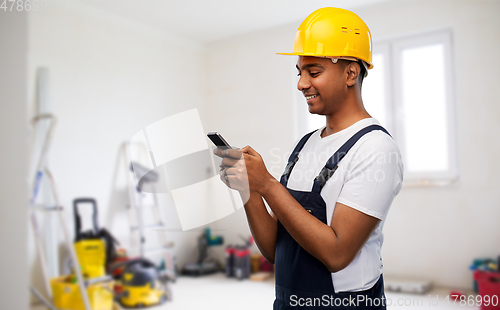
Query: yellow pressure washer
x,y
94,248
141,284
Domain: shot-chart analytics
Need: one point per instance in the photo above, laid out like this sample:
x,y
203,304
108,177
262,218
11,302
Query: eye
x,y
299,74
314,74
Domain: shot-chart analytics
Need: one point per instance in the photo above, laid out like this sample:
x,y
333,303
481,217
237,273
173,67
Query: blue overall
x,y
302,281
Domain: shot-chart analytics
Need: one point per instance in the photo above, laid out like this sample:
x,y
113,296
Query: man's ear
x,y
352,71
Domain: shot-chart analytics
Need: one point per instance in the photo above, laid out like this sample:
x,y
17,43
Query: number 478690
x,y
24,5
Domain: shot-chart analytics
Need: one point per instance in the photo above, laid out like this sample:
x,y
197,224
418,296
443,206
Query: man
x,y
325,230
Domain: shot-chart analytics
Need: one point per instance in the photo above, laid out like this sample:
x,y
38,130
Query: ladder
x,y
40,171
138,205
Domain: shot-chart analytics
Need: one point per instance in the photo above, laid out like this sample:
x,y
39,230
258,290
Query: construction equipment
x,y
141,203
90,248
238,259
141,284
42,170
95,248
334,33
205,264
67,295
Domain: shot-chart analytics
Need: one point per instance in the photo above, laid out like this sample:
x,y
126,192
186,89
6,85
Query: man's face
x,y
323,84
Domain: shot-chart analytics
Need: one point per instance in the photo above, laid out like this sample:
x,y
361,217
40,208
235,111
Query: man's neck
x,y
342,120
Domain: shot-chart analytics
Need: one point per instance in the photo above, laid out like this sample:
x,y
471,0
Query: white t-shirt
x,y
367,179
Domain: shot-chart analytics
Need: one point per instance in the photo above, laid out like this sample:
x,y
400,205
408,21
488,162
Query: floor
x,y
221,293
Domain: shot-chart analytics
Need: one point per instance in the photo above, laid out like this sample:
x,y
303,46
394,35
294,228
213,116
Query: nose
x,y
303,83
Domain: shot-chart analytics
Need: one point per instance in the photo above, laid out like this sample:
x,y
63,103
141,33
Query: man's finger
x,y
229,161
224,177
220,152
228,153
234,153
230,171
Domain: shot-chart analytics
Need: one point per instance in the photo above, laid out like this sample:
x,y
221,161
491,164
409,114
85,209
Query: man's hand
x,y
233,159
243,170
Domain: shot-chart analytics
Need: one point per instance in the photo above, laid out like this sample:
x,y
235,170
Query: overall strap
x,y
294,157
332,163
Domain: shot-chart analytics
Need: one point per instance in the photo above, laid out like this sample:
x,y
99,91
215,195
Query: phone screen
x,y
218,140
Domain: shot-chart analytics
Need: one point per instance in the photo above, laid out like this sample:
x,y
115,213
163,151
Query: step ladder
x,y
141,203
40,171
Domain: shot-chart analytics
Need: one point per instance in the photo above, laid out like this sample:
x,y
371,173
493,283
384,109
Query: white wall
x,y
109,78
431,232
13,143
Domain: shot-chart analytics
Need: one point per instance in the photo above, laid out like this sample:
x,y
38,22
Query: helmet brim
x,y
370,65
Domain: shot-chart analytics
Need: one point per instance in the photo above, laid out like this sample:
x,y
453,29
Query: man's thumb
x,y
248,150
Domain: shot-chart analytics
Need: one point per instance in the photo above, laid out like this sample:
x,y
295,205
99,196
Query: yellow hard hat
x,y
334,33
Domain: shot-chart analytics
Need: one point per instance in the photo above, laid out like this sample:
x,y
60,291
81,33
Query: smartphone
x,y
218,140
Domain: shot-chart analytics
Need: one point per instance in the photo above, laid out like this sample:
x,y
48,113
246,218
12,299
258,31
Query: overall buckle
x,y
325,175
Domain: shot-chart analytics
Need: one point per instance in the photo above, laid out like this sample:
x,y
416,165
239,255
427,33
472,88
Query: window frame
x,y
395,46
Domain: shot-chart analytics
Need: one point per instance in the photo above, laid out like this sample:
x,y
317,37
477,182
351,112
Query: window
x,y
410,92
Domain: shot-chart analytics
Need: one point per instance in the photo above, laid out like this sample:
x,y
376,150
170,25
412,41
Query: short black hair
x,y
362,72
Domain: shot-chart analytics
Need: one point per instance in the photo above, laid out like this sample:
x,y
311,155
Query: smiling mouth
x,y
311,97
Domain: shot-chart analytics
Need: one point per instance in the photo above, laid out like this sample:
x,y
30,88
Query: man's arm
x,y
336,245
264,226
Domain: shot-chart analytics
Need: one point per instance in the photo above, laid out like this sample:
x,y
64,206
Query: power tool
x,y
141,284
205,263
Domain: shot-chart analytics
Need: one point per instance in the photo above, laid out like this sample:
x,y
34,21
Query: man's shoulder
x,y
378,144
376,150
377,139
